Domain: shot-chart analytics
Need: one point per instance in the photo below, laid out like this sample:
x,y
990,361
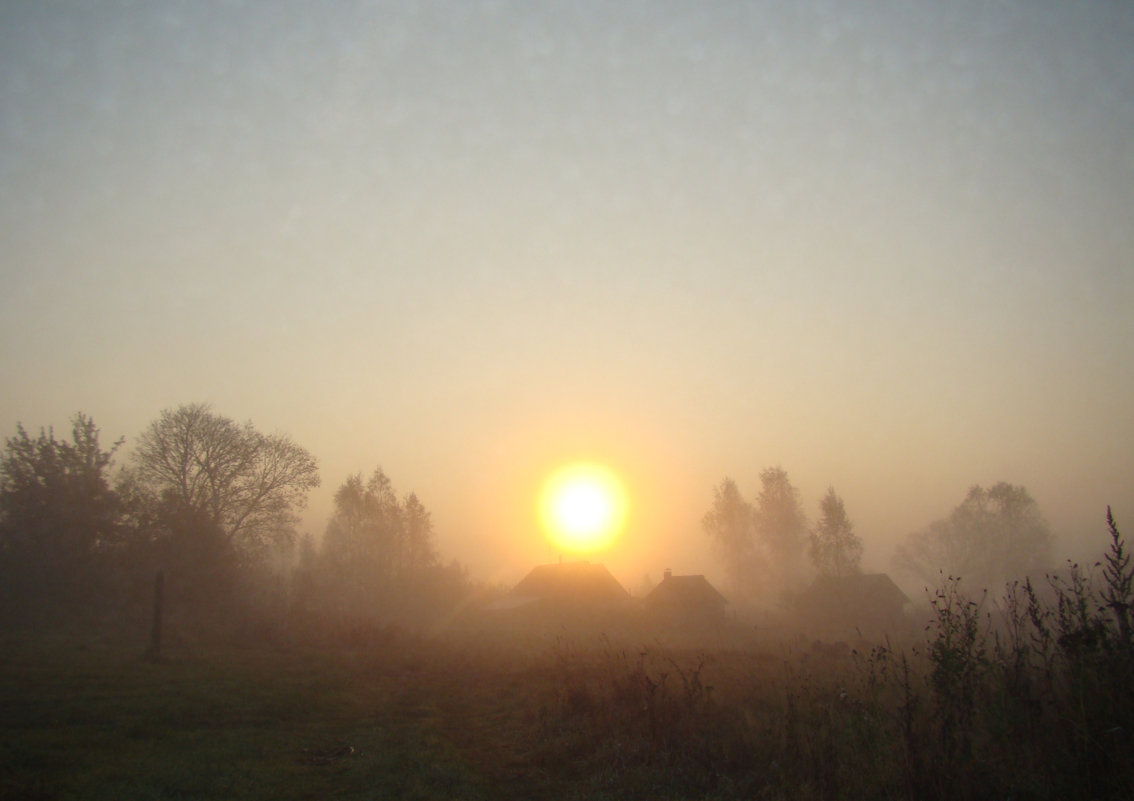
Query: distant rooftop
x,y
685,591
571,582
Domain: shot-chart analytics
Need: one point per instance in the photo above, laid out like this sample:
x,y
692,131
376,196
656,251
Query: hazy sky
x,y
888,246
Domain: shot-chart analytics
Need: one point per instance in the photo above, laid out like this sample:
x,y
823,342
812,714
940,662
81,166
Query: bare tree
x,y
247,484
835,549
993,536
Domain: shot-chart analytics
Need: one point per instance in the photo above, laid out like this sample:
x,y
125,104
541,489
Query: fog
x,y
888,250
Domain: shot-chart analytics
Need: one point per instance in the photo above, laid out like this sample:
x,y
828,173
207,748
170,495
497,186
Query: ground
x,y
379,713
92,718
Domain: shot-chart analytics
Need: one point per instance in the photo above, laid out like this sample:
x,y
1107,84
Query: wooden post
x,y
155,634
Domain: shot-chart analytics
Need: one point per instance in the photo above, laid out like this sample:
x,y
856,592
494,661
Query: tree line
x,y
213,505
994,535
764,544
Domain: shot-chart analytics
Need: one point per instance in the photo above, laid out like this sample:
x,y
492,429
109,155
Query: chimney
x,y
667,575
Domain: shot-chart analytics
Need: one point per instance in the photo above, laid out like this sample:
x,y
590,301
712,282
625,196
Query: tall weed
x,y
1028,698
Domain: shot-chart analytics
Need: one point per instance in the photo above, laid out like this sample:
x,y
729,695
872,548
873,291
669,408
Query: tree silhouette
x,y
364,533
835,549
59,517
378,559
993,536
780,524
729,524
372,532
248,485
418,553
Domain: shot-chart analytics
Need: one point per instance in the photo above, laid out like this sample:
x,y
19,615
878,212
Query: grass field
x,y
390,716
383,714
90,718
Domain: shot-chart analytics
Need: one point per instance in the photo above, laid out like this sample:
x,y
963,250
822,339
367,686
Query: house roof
x,y
571,582
686,591
877,587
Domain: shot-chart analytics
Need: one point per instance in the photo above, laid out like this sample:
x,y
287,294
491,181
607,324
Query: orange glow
x,y
583,507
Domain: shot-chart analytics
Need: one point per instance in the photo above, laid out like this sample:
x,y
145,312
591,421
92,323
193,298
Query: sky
x,y
886,246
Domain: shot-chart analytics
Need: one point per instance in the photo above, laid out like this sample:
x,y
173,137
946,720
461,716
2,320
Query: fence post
x,y
155,633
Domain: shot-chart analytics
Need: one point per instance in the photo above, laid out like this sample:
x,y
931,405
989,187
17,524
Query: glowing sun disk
x,y
583,507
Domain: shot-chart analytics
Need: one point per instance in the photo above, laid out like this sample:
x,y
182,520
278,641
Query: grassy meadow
x,y
1030,696
387,715
91,717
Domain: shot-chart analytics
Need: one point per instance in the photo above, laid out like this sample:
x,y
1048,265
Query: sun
x,y
583,507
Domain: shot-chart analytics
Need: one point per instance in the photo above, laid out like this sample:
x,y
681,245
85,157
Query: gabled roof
x,y
685,591
875,587
571,582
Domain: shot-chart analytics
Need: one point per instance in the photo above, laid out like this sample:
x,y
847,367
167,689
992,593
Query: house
x,y
685,600
870,604
565,589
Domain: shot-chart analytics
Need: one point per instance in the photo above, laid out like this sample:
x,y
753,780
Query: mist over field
x,y
404,332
